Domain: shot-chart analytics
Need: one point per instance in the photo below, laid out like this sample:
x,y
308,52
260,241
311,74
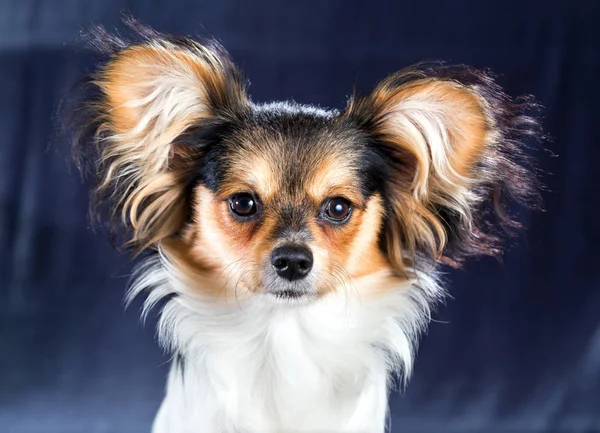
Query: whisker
x,y
240,280
228,270
339,272
340,268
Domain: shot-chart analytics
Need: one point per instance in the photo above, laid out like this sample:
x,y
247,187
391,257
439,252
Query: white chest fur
x,y
260,367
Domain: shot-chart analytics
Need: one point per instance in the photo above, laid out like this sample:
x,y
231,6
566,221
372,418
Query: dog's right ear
x,y
454,143
146,98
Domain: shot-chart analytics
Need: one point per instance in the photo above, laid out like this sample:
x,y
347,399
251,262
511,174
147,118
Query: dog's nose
x,y
292,262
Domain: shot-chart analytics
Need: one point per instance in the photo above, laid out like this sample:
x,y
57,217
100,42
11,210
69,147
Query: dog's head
x,y
292,201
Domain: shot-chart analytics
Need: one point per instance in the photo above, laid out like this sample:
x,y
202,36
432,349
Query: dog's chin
x,y
291,294
290,298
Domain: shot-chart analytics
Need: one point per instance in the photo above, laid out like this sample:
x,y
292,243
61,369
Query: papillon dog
x,y
294,250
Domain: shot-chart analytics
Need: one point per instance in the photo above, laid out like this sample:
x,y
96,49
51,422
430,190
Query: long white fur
x,y
254,366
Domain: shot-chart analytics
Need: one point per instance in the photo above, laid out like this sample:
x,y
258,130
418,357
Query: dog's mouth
x,y
291,295
292,292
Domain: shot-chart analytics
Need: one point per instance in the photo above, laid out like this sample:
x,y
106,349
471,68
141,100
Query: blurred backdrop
x,y
517,347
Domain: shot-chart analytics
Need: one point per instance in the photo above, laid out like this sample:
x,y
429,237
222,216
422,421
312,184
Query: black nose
x,y
292,262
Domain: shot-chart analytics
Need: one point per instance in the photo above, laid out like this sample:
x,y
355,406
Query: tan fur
x,y
253,173
334,176
363,255
464,119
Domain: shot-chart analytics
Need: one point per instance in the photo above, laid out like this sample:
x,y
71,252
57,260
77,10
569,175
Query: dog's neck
x,y
241,365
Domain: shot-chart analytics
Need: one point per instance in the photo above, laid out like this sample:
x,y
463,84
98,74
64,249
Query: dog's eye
x,y
243,205
338,209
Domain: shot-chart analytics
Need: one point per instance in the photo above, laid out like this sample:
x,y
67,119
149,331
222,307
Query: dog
x,y
296,250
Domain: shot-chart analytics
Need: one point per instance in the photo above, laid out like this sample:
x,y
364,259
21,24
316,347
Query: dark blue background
x,y
516,350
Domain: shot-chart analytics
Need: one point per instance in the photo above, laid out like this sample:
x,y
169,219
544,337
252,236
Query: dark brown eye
x,y
243,205
338,209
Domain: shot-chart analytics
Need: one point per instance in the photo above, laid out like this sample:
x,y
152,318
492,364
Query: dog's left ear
x,y
451,142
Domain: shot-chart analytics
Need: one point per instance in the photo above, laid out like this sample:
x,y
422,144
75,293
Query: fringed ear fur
x,y
454,143
136,108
